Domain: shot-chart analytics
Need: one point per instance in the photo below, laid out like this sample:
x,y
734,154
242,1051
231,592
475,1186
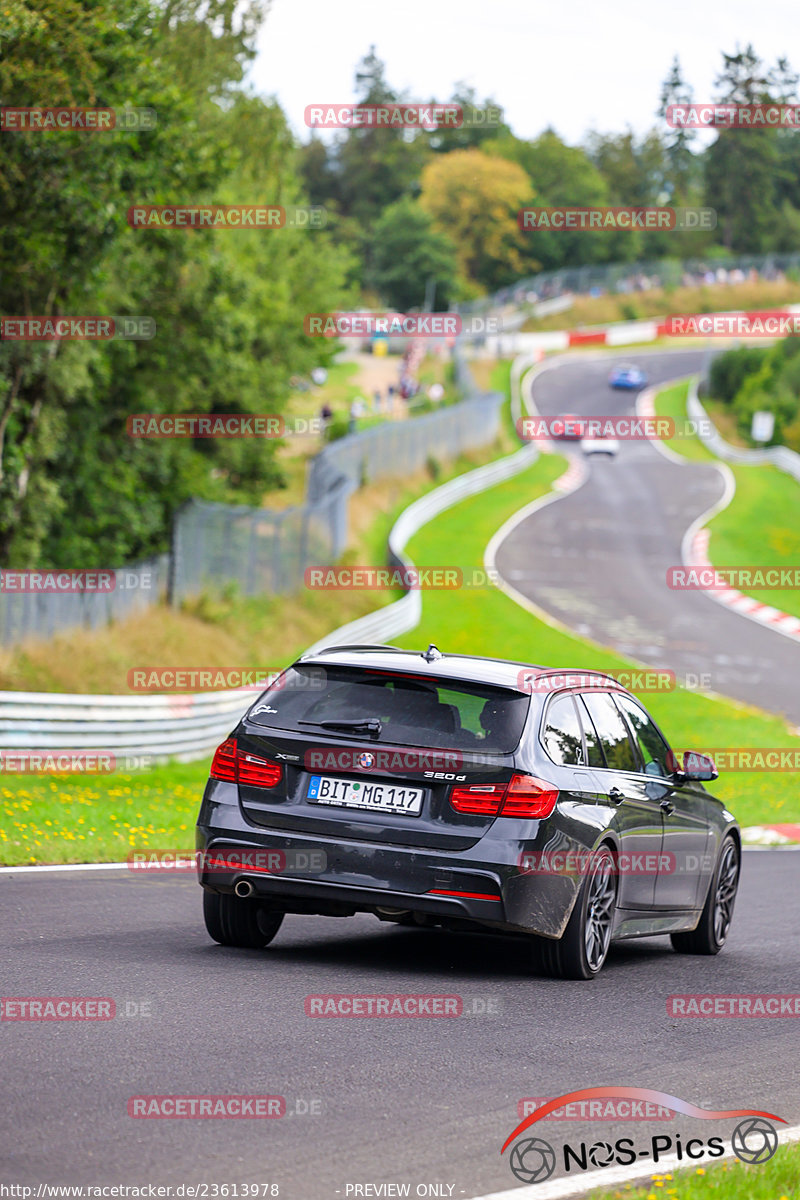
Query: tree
x,y
475,198
228,305
742,164
681,171
376,166
408,251
480,123
561,175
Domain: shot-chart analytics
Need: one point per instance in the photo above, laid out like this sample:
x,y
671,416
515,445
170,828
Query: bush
x,y
730,370
337,428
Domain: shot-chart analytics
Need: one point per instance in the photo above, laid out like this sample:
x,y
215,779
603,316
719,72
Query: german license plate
x,y
354,793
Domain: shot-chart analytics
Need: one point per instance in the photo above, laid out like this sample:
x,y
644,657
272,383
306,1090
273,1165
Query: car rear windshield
x,y
412,711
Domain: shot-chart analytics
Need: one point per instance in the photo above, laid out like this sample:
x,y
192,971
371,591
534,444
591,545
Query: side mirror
x,y
698,766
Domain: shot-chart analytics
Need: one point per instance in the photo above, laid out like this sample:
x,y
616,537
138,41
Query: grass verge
x,y
760,526
730,1180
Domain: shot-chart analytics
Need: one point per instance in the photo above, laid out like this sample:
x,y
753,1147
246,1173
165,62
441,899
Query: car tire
x,y
582,949
715,922
233,921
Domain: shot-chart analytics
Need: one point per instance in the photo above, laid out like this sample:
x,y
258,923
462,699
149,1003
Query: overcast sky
x,y
575,65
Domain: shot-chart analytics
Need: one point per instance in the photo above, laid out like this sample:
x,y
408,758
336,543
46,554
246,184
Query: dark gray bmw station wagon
x,y
449,790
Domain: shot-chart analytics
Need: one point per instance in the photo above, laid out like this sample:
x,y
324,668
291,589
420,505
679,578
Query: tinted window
x,y
654,750
612,731
562,733
412,712
594,751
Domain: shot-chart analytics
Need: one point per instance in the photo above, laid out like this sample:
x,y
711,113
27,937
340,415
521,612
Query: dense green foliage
x,y
761,379
228,304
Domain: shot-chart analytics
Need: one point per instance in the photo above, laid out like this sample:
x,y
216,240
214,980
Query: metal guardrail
x,y
183,727
779,456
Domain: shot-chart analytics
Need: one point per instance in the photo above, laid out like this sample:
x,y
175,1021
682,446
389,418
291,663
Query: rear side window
x,y
562,736
412,711
612,731
594,751
654,750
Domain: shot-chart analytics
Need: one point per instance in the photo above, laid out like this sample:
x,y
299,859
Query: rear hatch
x,y
376,755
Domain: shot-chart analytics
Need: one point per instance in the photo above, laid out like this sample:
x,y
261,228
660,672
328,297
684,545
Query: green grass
x,y
485,621
730,1180
761,525
102,818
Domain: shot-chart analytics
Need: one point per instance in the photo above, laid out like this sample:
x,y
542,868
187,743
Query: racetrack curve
x,y
597,559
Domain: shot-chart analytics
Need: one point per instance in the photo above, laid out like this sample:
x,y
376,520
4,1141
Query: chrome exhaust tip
x,y
244,889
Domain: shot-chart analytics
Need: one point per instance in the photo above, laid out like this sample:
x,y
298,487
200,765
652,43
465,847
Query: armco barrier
x,y
780,456
184,727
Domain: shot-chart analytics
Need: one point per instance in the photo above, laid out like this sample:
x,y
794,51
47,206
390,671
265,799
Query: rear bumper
x,y
482,884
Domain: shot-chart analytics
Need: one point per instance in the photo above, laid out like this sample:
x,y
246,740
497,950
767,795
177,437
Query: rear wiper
x,y
369,724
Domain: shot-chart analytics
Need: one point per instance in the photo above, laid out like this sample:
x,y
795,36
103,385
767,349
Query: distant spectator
x,y
319,375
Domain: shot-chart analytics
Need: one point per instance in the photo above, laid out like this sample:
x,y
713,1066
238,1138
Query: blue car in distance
x,y
627,376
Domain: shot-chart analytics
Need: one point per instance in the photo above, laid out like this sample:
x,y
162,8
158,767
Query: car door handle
x,y
667,806
615,795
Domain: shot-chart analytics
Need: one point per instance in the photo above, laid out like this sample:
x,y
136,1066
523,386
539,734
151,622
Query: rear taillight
x,y
231,764
482,799
527,796
257,772
223,765
522,796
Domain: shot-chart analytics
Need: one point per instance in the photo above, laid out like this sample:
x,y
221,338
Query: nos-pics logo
x,y
532,1160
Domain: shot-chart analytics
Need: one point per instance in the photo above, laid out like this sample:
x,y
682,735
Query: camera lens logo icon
x,y
601,1154
754,1140
533,1160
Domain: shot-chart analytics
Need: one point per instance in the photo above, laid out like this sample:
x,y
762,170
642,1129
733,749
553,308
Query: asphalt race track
x,y
597,559
406,1100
